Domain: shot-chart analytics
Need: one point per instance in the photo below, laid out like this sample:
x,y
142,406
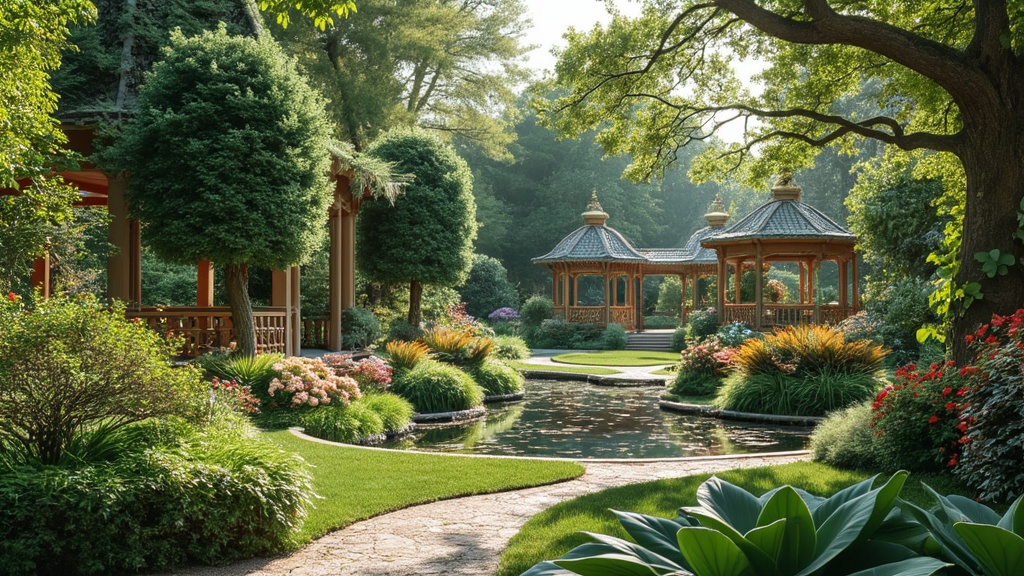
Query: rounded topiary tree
x,y
487,287
426,237
228,161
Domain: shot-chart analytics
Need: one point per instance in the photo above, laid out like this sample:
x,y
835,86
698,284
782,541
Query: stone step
x,y
655,341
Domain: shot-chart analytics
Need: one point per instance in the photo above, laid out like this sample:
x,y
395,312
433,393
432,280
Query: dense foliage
x,y
426,237
845,439
70,367
702,323
359,328
219,106
614,337
701,368
433,386
487,288
498,379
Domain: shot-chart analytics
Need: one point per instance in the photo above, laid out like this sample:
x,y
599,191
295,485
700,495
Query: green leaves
x,y
995,263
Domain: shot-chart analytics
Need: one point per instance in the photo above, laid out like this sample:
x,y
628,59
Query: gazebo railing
x,y
743,313
204,329
786,314
623,315
315,331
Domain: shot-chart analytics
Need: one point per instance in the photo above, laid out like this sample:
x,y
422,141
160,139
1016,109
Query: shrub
x,y
845,439
359,328
256,372
536,310
400,329
498,379
557,333
487,287
394,411
701,368
660,322
510,348
349,423
436,387
69,365
679,339
702,323
309,382
183,495
995,434
860,326
804,370
505,314
370,373
900,310
456,346
614,337
917,419
734,334
404,356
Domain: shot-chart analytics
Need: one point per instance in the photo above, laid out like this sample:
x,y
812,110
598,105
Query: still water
x,y
579,420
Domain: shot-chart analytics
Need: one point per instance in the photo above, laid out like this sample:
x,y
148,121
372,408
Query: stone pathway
x,y
464,536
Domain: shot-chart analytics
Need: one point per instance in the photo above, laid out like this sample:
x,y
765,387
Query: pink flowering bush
x,y
234,396
310,382
702,366
371,373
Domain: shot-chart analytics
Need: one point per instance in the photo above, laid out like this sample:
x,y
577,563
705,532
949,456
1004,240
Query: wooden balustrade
x,y
315,331
786,314
208,328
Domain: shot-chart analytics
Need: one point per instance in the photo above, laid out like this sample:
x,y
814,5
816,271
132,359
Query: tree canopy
x,y
426,237
228,158
950,80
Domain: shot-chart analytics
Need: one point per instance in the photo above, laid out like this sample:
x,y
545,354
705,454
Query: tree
x,y
32,35
426,237
318,10
487,288
228,160
449,66
951,77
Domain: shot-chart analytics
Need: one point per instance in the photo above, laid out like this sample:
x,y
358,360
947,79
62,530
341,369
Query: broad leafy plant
x,y
972,535
785,532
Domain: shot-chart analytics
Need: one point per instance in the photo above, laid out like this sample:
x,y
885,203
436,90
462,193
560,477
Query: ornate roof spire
x,y
785,187
717,216
595,215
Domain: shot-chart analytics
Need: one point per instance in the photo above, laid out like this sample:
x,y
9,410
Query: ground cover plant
x,y
618,358
560,528
803,370
412,478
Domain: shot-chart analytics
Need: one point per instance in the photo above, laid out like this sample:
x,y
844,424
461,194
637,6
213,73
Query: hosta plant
x,y
785,532
973,536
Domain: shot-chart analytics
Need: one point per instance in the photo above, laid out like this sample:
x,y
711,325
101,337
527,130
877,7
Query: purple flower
x,y
505,314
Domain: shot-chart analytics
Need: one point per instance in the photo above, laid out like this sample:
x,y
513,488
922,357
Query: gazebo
x,y
785,230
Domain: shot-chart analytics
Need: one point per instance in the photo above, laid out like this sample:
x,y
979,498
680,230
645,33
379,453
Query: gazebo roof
x,y
593,242
782,218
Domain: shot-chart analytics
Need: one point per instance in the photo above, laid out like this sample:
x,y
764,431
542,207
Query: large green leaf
x,y
734,505
826,508
762,561
654,533
606,565
950,544
546,569
976,512
1013,520
711,553
799,540
885,500
613,545
769,540
920,566
1000,551
840,531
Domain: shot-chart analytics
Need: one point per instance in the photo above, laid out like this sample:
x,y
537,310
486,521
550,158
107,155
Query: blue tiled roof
x,y
593,244
783,219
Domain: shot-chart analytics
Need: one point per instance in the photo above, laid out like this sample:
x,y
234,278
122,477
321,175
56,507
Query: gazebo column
x,y
738,272
204,284
843,279
758,289
41,275
856,281
640,311
607,299
565,294
682,307
284,293
803,281
815,296
124,273
721,289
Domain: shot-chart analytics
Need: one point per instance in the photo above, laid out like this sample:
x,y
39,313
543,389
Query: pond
x,y
569,419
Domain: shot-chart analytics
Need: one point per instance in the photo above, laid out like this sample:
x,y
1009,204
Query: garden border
x,y
705,410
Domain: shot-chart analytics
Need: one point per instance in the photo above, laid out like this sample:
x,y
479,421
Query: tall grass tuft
x,y
846,440
498,379
404,356
394,411
256,372
436,387
511,348
343,423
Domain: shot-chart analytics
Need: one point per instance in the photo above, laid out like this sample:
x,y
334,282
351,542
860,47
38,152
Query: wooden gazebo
x,y
279,327
785,230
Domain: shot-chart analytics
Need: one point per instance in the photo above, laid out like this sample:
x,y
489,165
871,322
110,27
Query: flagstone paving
x,y
464,536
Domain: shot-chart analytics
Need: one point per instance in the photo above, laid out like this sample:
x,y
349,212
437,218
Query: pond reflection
x,y
580,420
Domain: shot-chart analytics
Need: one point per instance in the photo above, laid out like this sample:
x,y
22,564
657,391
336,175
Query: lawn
x,y
555,531
521,366
618,358
355,483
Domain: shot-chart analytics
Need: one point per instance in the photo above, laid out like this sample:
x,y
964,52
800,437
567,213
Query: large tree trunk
x,y
415,297
993,160
236,279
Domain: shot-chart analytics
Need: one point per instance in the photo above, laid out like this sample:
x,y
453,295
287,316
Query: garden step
x,y
654,341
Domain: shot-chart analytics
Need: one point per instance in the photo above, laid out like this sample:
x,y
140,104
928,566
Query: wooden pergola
x,y
785,230
279,327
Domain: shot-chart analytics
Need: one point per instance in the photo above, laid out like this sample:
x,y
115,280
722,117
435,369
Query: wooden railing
x,y
204,329
786,314
743,313
623,315
315,331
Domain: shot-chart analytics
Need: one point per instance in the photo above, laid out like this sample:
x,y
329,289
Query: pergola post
x,y
41,275
204,284
856,281
336,232
758,289
843,294
124,274
284,294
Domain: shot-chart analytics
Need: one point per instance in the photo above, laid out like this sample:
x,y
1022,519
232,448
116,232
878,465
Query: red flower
x,y
954,460
991,340
933,420
951,406
969,338
12,296
998,320
981,331
946,391
962,392
962,427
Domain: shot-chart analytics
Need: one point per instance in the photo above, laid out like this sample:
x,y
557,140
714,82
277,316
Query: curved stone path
x,y
464,536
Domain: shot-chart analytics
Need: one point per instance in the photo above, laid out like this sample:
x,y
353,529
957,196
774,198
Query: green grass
x,y
667,371
555,531
566,369
355,484
618,358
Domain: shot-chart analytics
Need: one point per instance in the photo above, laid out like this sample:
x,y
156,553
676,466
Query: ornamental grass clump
x,y
510,348
255,372
801,371
437,387
458,347
309,382
498,379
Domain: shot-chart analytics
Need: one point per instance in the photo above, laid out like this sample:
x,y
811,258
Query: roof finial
x,y
785,187
595,215
717,216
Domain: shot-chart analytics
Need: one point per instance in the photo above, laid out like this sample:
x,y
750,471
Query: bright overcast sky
x,y
551,18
